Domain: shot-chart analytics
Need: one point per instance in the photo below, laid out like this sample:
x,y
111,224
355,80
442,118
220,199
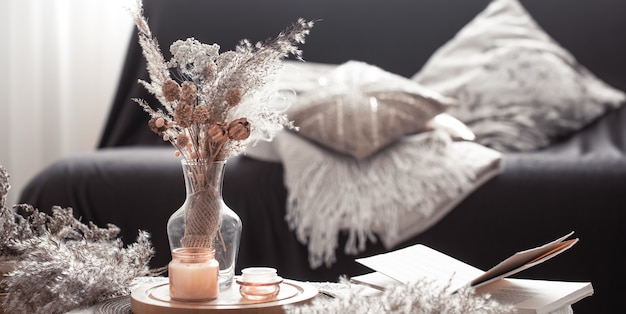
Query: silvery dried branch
x,y
59,276
421,296
63,264
4,186
215,102
19,228
59,264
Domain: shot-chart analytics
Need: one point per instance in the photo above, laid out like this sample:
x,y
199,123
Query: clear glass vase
x,y
203,185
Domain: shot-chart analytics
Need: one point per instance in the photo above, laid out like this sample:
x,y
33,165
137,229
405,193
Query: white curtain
x,y
60,61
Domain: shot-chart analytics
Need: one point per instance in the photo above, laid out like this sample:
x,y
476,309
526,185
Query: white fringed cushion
x,y
391,196
358,109
517,88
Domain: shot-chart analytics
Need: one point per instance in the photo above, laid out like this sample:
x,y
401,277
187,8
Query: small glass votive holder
x,y
259,283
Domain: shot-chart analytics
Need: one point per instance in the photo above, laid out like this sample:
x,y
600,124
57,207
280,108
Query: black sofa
x,y
579,183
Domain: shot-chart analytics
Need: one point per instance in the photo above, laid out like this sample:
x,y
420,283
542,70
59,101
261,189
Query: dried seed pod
x,y
233,97
182,140
239,129
201,114
183,113
189,93
209,71
218,132
156,126
171,90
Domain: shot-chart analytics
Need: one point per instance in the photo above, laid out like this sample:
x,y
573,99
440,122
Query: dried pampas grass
x,y
418,297
60,264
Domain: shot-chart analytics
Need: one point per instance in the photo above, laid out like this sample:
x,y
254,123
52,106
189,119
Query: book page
x,y
529,296
537,296
525,259
418,262
375,280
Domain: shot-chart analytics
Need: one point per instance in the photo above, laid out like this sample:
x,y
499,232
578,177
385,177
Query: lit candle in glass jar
x,y
259,283
193,274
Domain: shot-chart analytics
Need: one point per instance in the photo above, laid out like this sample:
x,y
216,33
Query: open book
x,y
532,296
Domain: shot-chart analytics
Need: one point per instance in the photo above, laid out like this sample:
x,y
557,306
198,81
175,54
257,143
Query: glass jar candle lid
x,y
265,275
259,283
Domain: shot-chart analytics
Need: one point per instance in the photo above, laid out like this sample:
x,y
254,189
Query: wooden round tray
x,y
155,299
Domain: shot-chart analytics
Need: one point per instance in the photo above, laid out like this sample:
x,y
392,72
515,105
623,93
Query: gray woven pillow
x,y
359,108
517,89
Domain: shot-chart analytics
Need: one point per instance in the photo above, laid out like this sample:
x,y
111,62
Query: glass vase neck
x,y
203,176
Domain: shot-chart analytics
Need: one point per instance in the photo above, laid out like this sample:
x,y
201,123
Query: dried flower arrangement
x,y
214,105
422,297
221,99
59,264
